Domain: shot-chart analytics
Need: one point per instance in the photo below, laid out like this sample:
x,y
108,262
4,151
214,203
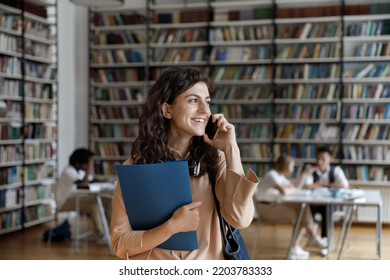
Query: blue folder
x,y
152,192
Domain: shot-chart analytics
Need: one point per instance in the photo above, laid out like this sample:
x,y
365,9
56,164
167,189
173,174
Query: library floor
x,y
272,244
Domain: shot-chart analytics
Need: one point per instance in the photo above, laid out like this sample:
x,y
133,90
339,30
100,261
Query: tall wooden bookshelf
x,y
28,119
291,75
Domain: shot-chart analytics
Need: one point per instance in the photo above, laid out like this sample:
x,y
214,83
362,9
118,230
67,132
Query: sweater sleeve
x,y
235,194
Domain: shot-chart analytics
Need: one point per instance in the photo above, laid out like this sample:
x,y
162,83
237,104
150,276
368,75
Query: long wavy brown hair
x,y
151,145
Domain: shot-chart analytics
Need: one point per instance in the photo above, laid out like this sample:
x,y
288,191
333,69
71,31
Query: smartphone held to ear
x,y
211,128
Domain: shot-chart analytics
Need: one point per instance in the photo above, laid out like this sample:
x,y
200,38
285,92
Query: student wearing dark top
x,y
326,176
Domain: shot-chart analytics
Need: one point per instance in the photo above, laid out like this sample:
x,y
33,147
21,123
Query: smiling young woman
x,y
172,127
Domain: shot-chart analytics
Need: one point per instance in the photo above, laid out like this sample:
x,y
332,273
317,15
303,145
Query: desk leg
x,y
104,221
295,232
349,218
77,237
379,231
329,226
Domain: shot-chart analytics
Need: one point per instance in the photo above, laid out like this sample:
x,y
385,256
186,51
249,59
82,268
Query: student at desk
x,y
326,176
276,183
79,173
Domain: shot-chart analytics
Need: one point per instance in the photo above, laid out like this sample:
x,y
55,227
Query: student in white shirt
x,y
326,176
275,184
79,172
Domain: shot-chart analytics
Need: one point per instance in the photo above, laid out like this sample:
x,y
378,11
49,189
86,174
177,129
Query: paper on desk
x,y
152,192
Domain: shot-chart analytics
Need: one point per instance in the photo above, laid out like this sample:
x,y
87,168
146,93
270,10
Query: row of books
x,y
117,75
366,111
117,56
39,90
366,28
114,130
308,131
10,197
368,71
367,173
38,151
40,111
38,49
119,37
307,71
10,65
259,168
181,54
366,131
10,131
118,19
243,14
241,33
9,88
37,212
258,151
40,131
308,91
118,94
354,91
39,70
10,43
10,219
307,111
116,112
10,175
317,50
193,15
34,172
308,30
11,21
244,111
34,193
305,151
373,49
367,152
106,167
10,153
10,109
242,73
247,131
305,12
38,29
111,149
169,36
236,92
241,53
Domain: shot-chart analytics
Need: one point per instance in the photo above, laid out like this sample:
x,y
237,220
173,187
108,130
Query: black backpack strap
x,y
331,177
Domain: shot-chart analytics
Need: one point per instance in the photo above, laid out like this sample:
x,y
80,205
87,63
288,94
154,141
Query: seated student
x,y
79,172
327,176
276,183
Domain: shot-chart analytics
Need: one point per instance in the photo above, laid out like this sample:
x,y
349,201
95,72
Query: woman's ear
x,y
165,111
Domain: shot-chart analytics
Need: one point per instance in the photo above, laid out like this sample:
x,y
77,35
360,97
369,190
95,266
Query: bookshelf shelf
x,y
31,98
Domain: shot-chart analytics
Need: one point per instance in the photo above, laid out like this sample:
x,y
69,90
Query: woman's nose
x,y
203,107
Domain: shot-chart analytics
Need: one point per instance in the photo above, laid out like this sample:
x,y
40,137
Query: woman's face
x,y
190,112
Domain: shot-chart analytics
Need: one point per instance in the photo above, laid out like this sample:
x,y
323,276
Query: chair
x,y
54,191
258,220
57,210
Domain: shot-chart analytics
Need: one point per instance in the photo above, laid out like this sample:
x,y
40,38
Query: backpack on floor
x,y
59,233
